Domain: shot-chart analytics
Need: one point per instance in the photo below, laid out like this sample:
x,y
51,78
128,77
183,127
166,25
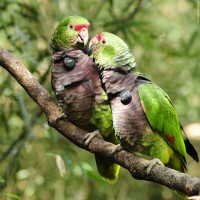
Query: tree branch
x,y
134,12
134,164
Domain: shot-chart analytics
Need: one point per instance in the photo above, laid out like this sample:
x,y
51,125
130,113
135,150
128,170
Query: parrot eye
x,y
103,41
70,26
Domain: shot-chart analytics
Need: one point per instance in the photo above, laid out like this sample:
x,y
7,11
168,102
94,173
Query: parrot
x,y
144,118
77,86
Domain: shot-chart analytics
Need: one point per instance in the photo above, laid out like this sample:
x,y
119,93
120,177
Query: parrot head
x,y
71,33
110,52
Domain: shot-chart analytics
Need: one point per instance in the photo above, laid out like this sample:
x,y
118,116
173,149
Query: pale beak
x,y
83,36
93,41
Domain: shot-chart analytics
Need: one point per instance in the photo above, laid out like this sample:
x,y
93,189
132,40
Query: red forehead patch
x,y
99,36
78,27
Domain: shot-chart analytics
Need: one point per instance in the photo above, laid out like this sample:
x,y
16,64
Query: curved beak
x,y
83,36
93,41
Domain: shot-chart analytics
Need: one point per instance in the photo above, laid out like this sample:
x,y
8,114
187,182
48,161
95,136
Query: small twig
x,y
12,146
173,179
97,9
21,137
134,12
24,134
120,23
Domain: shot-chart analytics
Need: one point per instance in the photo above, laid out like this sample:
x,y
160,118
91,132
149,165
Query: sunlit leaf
x,y
2,179
61,165
13,196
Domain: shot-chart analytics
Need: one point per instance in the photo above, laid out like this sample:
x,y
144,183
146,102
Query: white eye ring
x,y
103,41
70,26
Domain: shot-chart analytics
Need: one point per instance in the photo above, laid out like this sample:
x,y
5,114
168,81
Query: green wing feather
x,y
102,119
162,117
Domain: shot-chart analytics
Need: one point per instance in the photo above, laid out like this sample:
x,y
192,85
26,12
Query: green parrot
x,y
77,86
144,118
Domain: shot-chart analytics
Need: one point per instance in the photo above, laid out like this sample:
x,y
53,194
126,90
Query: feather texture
x,y
148,124
77,86
84,101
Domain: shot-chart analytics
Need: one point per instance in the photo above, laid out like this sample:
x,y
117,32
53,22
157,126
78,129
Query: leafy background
x,y
38,163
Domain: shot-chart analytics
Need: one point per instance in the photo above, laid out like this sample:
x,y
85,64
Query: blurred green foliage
x,y
38,163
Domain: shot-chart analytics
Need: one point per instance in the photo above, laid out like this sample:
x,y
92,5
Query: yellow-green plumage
x,y
146,123
66,38
163,119
78,89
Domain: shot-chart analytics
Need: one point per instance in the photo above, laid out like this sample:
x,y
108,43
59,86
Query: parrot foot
x,y
61,117
152,163
115,149
90,136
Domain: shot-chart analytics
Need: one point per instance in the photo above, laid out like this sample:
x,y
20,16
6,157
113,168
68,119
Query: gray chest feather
x,y
77,89
129,120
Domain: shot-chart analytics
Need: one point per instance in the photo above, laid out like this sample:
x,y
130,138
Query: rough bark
x,y
137,166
